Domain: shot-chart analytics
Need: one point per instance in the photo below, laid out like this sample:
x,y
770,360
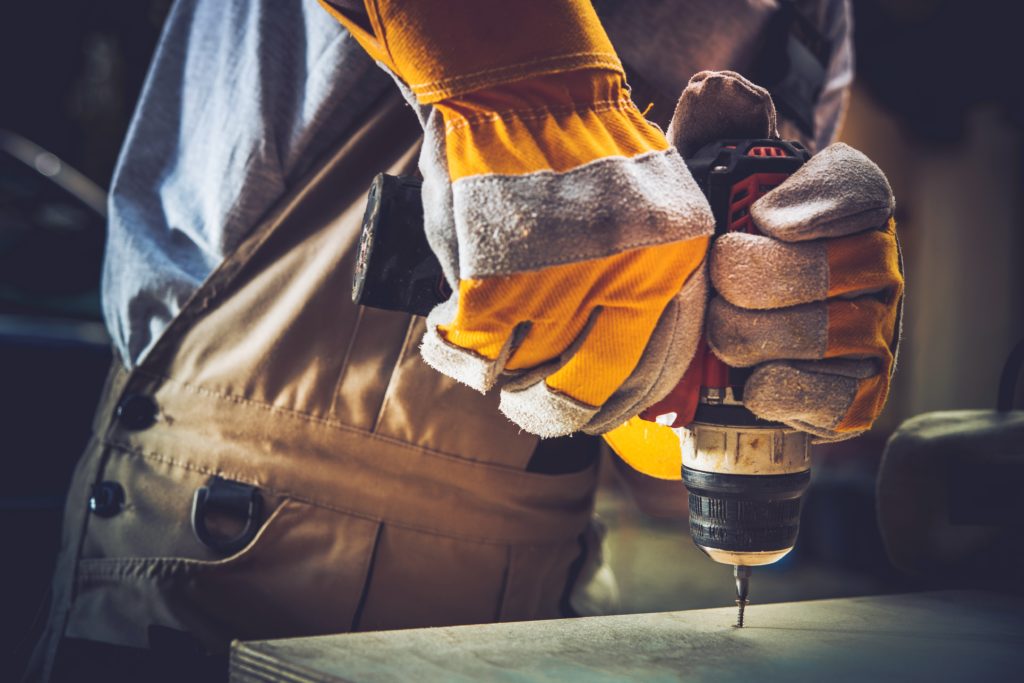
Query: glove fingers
x,y
851,328
743,338
667,356
607,356
536,347
868,262
476,366
515,322
720,105
758,272
838,192
832,399
567,399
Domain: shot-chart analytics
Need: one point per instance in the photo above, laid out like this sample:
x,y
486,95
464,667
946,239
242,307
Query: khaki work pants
x,y
392,496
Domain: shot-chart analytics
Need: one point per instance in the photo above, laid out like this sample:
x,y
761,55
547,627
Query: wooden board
x,y
954,635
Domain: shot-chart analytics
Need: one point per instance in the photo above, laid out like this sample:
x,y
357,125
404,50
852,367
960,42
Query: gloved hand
x,y
572,233
813,304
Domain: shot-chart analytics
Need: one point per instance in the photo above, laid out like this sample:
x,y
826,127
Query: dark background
x,y
937,103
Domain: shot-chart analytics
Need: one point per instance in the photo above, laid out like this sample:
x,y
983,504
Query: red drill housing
x,y
733,174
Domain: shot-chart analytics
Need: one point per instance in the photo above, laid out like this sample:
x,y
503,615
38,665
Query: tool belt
x,y
283,464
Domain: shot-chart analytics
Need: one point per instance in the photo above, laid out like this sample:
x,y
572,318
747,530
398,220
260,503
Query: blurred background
x,y
936,103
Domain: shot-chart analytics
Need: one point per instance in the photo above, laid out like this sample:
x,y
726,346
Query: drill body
x,y
745,476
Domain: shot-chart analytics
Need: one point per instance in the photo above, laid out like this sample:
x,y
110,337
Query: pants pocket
x,y
303,573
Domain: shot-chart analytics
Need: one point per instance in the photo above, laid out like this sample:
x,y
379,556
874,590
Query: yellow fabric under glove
x,y
647,447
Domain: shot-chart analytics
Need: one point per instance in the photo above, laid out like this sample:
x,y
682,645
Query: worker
x,y
270,460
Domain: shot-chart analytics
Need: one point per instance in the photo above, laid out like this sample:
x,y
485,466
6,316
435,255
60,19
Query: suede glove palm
x,y
571,232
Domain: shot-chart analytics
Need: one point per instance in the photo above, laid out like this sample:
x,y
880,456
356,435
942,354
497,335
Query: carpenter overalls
x,y
283,464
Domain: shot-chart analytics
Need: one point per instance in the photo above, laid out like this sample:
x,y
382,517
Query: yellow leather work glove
x,y
812,304
571,231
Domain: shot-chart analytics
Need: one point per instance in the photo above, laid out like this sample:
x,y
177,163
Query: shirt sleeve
x,y
241,98
835,95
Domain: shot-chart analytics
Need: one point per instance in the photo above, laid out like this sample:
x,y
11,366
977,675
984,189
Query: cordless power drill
x,y
745,476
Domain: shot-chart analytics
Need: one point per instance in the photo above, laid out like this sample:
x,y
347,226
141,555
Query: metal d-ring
x,y
233,498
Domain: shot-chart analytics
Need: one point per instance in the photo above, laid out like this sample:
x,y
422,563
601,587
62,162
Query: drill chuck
x,y
745,520
745,486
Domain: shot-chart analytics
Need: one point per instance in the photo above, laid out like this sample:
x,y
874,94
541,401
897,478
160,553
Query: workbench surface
x,y
955,635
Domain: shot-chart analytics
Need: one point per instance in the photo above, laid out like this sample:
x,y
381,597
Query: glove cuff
x,y
446,48
561,169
